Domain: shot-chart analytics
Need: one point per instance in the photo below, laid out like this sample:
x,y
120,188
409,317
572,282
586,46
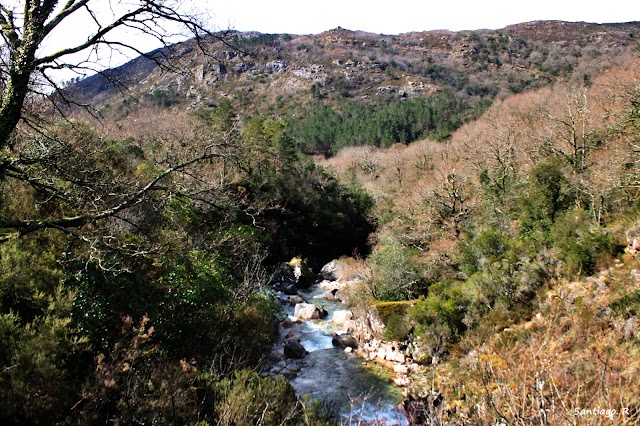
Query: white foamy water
x,y
337,379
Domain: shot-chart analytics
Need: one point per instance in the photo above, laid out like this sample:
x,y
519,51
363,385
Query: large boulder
x,y
308,311
332,295
341,317
302,273
345,341
293,349
284,278
329,271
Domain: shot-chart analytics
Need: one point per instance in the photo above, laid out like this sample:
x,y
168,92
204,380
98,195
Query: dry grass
x,y
575,355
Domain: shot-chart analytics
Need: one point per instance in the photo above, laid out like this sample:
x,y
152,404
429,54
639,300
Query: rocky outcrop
x,y
329,272
302,273
292,276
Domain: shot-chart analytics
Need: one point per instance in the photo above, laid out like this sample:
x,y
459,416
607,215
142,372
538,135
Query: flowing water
x,y
343,383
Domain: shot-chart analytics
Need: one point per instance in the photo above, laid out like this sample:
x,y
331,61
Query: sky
x,y
398,16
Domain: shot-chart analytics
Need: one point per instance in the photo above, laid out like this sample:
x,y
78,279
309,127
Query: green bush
x,y
395,274
445,306
40,363
398,324
441,317
397,327
551,191
250,399
582,246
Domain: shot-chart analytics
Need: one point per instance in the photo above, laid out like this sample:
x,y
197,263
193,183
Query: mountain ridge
x,y
256,67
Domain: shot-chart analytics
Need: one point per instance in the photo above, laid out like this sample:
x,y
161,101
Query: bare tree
x,y
45,160
572,130
27,30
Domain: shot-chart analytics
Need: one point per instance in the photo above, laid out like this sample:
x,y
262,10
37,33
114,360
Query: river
x,y
356,392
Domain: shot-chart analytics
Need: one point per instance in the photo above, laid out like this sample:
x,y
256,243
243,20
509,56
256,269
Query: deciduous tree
x,y
48,161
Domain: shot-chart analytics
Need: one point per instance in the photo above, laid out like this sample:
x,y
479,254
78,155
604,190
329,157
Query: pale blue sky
x,y
398,16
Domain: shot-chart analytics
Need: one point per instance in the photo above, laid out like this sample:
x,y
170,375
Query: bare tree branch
x,y
24,37
23,227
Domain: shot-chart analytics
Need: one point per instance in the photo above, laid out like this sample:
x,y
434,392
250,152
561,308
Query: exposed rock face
x,y
292,276
293,349
370,326
308,311
345,340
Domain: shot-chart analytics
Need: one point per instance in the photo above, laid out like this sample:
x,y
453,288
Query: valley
x,y
342,228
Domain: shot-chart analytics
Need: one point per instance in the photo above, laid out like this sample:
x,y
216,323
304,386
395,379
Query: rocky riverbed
x,y
329,354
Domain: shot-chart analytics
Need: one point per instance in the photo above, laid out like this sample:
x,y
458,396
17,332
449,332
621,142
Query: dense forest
x,y
489,212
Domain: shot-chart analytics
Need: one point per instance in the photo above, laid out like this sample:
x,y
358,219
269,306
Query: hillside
x,y
278,73
522,229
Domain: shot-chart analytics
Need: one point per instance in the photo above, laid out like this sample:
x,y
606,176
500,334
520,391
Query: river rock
x,y
345,340
341,317
329,271
332,295
290,321
307,311
401,369
401,381
390,353
349,326
293,349
331,285
294,335
295,299
289,289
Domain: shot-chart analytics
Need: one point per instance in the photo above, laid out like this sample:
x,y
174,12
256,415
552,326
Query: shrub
x,y
39,362
581,245
446,306
397,327
398,324
250,399
395,274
